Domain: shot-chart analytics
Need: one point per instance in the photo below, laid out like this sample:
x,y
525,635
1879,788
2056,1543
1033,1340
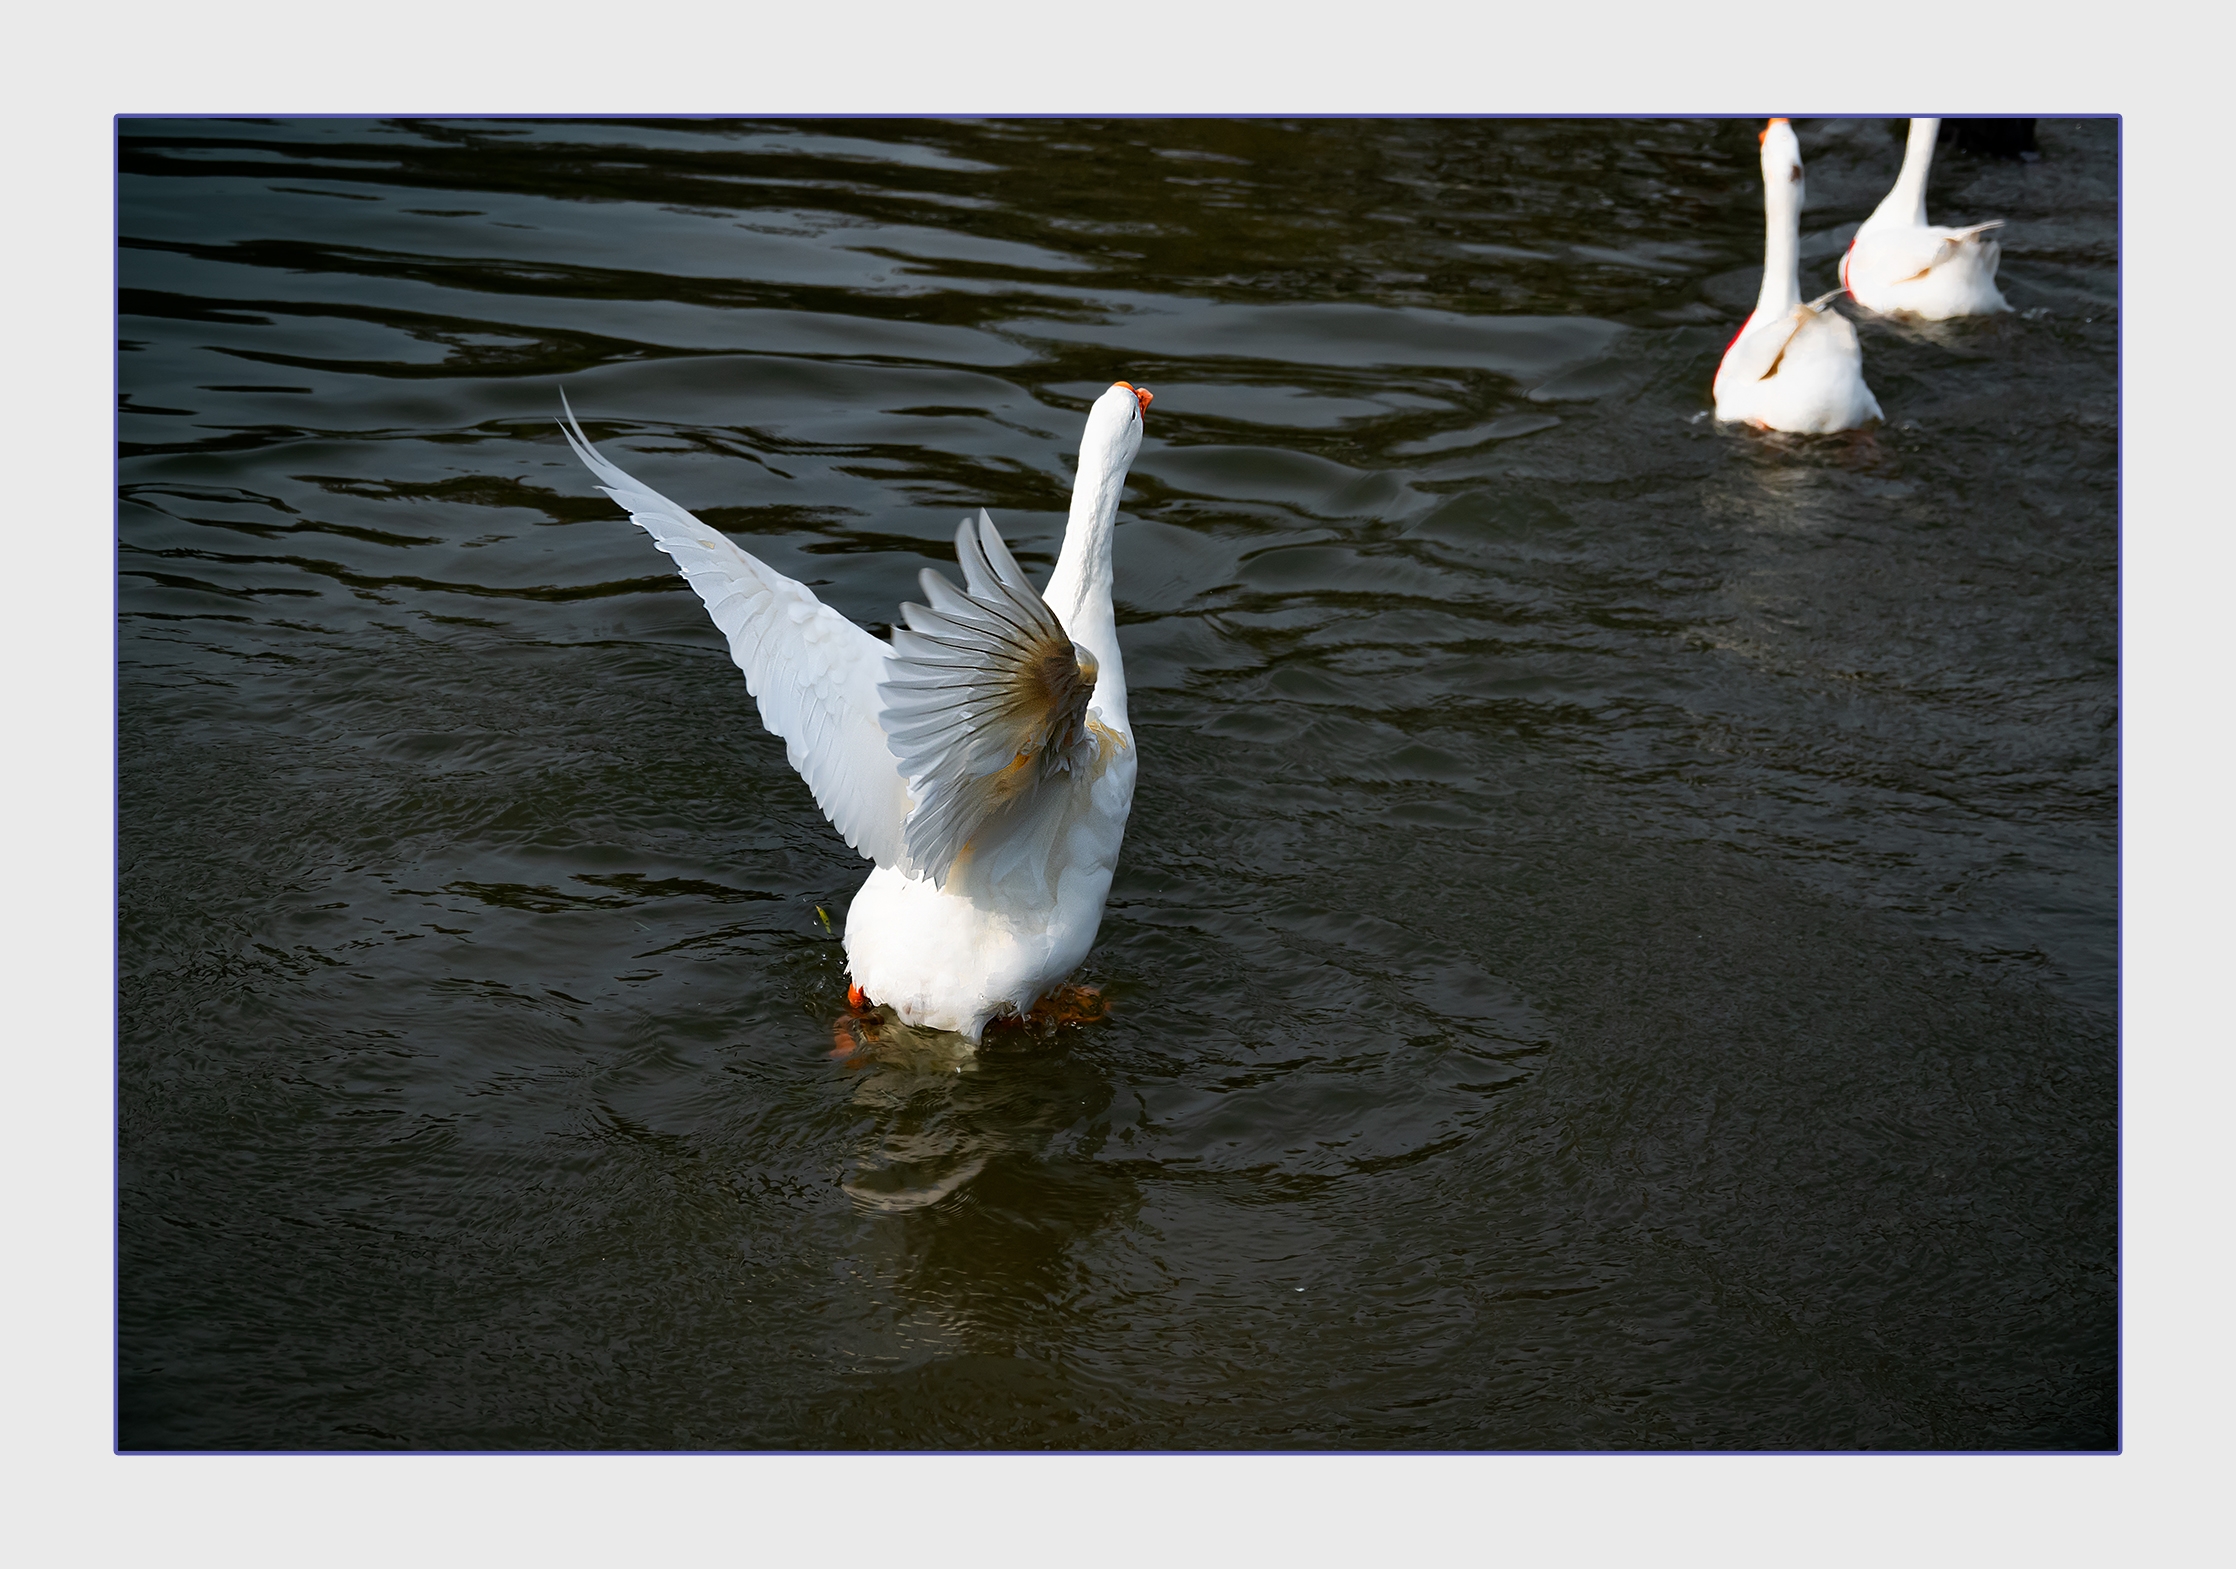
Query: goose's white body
x,y
1899,262
1793,366
982,759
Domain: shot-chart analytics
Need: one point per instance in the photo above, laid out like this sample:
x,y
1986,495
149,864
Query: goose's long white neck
x,y
1080,587
1905,204
1781,250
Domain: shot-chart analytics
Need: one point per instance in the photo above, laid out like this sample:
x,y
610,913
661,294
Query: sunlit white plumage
x,y
983,758
1793,366
1899,262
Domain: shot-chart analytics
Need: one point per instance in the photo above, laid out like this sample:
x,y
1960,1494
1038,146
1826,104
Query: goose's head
x,y
1113,432
1781,159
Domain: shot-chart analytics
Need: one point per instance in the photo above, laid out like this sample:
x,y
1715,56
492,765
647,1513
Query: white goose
x,y
1899,262
982,759
1792,366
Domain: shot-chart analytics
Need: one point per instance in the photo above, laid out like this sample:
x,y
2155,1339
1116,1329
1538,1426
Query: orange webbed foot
x,y
855,1028
1066,1004
1069,1004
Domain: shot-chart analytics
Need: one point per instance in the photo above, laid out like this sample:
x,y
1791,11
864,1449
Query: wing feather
x,y
1954,241
985,701
814,674
1755,353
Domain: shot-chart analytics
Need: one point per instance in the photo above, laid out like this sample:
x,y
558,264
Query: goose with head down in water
x,y
1792,366
982,758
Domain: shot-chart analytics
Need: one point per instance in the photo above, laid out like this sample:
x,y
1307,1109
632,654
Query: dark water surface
x,y
1617,939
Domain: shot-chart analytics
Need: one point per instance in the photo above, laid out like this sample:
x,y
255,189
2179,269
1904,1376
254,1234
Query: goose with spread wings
x,y
982,758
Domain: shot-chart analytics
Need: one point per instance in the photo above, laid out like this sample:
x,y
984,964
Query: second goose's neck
x,y
1905,204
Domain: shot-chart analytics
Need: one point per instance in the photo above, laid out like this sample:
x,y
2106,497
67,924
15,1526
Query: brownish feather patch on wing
x,y
985,704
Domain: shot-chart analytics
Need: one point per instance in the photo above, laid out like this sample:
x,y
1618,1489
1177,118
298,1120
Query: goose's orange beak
x,y
1763,135
1142,393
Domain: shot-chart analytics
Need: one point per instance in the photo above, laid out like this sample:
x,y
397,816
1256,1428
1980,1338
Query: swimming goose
x,y
982,758
1792,366
1899,262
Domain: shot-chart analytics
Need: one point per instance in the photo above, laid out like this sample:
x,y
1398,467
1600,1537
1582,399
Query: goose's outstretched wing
x,y
986,702
814,673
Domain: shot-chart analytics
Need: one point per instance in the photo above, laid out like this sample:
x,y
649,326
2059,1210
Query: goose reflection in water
x,y
977,1193
940,1111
